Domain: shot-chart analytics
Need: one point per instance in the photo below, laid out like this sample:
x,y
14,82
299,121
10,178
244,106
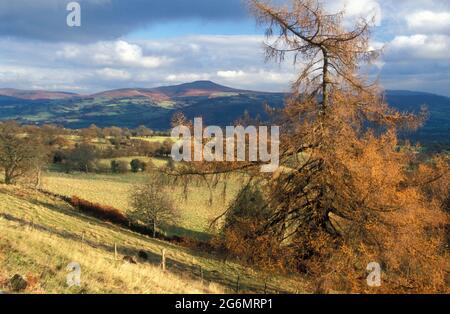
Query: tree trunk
x,y
38,178
325,83
8,177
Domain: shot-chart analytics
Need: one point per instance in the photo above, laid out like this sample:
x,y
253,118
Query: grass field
x,y
40,236
153,139
196,213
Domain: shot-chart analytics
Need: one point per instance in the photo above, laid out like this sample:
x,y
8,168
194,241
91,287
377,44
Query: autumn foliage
x,y
103,212
350,193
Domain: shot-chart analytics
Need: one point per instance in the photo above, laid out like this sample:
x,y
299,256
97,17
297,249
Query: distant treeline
x,y
27,149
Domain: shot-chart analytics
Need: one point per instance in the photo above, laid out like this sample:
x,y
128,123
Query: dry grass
x,y
155,139
46,266
40,236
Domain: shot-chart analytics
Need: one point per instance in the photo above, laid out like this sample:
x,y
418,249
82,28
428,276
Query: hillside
x,y
437,128
41,235
194,89
217,104
35,94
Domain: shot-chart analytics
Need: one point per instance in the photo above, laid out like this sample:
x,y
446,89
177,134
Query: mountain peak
x,y
204,84
197,88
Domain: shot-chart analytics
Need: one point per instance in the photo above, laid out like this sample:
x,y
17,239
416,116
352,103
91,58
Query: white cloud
x,y
30,77
429,22
130,54
356,9
113,74
420,47
187,77
415,32
230,74
112,53
271,79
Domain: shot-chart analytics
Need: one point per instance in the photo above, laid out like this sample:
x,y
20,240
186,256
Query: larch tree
x,y
348,196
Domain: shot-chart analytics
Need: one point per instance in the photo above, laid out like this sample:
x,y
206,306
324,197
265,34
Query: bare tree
x,y
151,206
21,154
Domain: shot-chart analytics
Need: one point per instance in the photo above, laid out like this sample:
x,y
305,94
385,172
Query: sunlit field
x,y
195,211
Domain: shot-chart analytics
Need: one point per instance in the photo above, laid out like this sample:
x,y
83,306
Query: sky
x,y
148,43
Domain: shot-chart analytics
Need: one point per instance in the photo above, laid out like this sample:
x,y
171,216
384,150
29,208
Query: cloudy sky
x,y
147,43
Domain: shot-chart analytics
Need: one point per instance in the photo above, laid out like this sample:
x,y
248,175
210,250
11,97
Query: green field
x,y
114,190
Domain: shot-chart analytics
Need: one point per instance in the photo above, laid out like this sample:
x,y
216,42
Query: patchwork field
x,y
40,236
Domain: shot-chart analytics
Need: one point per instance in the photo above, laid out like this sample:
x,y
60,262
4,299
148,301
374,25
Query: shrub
x,y
82,158
102,167
59,156
103,212
138,165
119,166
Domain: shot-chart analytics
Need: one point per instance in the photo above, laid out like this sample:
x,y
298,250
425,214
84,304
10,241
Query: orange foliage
x,y
99,211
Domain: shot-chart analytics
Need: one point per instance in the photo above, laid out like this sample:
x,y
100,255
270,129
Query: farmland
x,y
113,190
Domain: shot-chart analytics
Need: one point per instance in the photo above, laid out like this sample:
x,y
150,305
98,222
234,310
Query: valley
x,y
217,104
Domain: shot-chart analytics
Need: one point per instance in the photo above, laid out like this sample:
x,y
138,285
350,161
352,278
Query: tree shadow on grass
x,y
228,279
174,230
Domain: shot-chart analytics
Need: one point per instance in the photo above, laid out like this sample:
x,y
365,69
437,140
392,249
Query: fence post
x,y
201,273
163,260
265,286
82,240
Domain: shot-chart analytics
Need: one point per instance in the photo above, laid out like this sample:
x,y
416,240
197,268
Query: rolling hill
x,y
34,94
217,104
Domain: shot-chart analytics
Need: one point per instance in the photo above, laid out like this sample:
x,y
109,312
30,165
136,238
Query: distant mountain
x,y
34,94
217,104
194,89
436,132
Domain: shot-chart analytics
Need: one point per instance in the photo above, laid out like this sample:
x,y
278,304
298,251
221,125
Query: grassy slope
x,y
108,189
40,236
